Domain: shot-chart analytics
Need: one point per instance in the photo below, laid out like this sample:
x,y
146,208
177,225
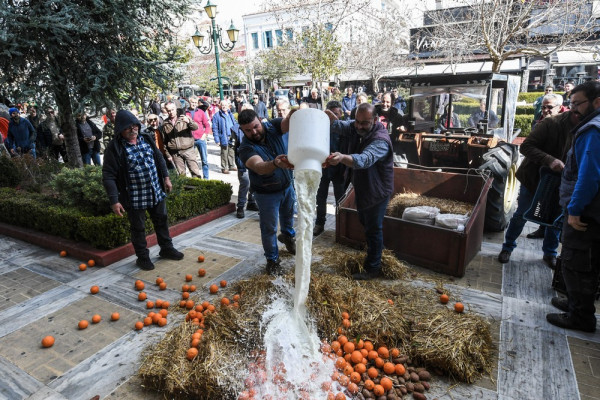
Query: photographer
x,y
178,139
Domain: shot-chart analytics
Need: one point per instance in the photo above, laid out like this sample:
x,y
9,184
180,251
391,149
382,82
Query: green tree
x,y
275,65
203,72
84,53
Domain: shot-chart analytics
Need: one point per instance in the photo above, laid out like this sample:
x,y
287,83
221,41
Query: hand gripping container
x,y
308,145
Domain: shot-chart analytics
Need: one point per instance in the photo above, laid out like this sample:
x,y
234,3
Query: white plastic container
x,y
308,145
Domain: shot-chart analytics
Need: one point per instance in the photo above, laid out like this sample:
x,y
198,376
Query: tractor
x,y
465,123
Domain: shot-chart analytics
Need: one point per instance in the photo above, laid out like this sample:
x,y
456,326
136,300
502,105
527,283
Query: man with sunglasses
x,y
580,199
136,180
546,145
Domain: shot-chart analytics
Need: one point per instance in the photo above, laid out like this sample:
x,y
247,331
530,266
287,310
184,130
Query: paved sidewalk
x,y
42,293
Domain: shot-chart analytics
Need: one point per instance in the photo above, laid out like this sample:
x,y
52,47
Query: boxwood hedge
x,y
190,198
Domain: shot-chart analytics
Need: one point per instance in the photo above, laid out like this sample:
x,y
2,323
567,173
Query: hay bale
x,y
348,263
401,201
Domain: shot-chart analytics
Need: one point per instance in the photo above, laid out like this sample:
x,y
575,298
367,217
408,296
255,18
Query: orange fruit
x,y
149,304
383,352
364,352
348,370
159,280
156,318
83,324
91,263
372,372
356,356
147,321
459,307
200,259
353,388
63,253
185,288
162,322
192,288
163,313
344,380
224,301
335,345
340,363
199,308
368,345
166,304
182,303
400,370
355,377
378,390
201,272
444,298
189,304
386,383
158,303
346,323
379,362
82,267
185,295
94,289
345,315
360,368
372,355
205,304
395,353
340,396
389,368
162,286
195,343
139,285
188,278
139,325
342,339
236,297
191,353
349,347
48,341
115,316
223,283
142,296
360,344
96,318
213,289
369,384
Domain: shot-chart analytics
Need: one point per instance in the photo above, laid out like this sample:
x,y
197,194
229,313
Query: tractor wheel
x,y
501,161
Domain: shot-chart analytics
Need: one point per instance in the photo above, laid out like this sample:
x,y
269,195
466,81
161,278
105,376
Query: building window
x,y
279,37
268,39
289,33
255,40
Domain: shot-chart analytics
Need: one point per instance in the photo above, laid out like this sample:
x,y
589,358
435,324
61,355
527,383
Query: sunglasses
x,y
548,107
152,119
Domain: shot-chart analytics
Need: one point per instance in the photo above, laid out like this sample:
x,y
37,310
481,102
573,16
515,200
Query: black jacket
x,y
114,169
83,145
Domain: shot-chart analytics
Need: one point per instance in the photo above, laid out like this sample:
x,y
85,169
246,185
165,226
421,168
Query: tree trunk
x,y
375,83
496,64
63,102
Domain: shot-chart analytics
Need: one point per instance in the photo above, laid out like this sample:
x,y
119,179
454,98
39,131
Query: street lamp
x,y
216,38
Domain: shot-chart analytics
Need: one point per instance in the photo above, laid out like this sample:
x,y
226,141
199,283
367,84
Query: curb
x,y
85,252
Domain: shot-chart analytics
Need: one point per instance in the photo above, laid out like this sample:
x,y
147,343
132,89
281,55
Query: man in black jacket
x,y
136,178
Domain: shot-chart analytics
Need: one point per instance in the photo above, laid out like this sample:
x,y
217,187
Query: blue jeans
x,y
244,189
201,146
274,206
517,222
323,192
372,220
91,155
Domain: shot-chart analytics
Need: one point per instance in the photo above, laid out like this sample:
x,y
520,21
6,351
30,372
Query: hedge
x,y
45,214
531,97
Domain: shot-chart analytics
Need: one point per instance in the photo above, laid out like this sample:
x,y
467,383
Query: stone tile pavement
x,y
41,293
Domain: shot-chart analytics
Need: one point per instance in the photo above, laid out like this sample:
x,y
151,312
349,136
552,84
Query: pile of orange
x,y
361,364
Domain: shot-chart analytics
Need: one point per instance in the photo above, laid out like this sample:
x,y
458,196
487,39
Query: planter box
x,y
436,248
85,252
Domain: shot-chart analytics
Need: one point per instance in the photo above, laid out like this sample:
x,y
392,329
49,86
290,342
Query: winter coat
x,y
179,136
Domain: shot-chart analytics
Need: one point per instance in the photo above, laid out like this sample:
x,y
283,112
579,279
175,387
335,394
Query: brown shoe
x,y
233,169
225,171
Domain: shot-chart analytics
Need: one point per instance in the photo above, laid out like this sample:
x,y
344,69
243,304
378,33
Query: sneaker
x,y
550,261
565,320
537,234
145,263
318,229
252,207
561,303
274,267
240,212
368,275
171,254
290,242
504,256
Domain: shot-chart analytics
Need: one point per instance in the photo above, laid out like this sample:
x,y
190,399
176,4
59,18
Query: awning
x,y
570,57
513,65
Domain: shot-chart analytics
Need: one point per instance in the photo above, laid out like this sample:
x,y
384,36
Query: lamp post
x,y
216,38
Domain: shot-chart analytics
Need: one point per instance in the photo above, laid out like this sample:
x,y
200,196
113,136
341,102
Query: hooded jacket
x,y
115,177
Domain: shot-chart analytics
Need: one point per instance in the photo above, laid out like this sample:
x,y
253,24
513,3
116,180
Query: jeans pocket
x,y
576,260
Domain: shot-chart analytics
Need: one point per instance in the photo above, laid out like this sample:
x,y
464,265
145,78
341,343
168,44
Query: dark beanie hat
x,y
12,110
124,119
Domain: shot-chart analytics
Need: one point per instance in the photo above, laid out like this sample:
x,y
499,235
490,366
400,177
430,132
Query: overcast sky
x,y
233,9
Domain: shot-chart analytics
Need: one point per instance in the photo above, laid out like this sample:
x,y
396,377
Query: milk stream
x,y
294,367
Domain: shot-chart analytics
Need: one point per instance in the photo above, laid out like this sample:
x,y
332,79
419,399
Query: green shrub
x,y
190,198
525,110
10,176
33,173
82,188
529,97
523,122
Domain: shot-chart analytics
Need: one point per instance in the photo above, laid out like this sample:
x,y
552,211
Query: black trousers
x,y
137,220
580,268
